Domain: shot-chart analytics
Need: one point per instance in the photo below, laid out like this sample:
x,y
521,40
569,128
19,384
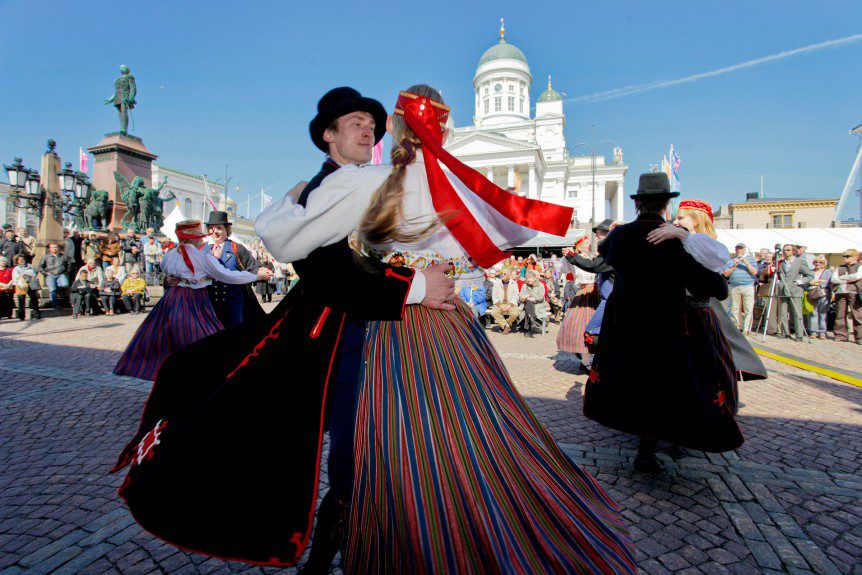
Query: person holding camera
x,y
741,274
793,277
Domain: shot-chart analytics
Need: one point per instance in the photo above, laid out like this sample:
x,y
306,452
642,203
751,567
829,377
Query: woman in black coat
x,y
265,289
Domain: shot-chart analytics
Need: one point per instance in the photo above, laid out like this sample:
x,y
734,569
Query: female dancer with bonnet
x,y
185,313
571,335
454,473
693,226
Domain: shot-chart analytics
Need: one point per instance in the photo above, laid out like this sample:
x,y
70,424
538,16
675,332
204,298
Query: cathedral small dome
x,y
502,51
550,95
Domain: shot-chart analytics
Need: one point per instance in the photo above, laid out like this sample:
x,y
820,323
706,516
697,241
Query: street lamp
x,y
68,179
17,174
593,148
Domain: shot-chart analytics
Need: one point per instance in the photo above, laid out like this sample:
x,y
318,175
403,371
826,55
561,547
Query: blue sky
x,y
237,83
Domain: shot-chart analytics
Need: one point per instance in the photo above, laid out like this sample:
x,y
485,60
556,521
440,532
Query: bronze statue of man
x,y
123,99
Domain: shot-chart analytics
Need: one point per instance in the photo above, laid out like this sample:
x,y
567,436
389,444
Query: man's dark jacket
x,y
240,416
54,264
656,372
126,245
10,249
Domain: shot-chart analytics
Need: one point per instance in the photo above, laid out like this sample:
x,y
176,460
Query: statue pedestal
x,y
50,228
127,155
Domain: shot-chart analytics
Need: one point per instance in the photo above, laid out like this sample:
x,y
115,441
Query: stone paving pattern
x,y
788,501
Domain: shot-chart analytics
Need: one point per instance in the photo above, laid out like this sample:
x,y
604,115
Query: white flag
x,y
265,201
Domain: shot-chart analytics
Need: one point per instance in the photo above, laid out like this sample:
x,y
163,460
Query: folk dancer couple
x,y
448,470
689,396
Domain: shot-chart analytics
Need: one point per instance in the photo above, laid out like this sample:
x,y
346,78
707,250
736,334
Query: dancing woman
x,y
185,313
454,474
571,335
693,226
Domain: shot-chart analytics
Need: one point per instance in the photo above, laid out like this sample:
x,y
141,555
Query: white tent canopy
x,y
543,240
169,226
817,240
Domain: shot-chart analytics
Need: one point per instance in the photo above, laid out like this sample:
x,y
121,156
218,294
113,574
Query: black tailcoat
x,y
239,417
656,372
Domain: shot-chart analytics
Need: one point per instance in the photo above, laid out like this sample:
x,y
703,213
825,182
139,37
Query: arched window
x,y
187,208
205,210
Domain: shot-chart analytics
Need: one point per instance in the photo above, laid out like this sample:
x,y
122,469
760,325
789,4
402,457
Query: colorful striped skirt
x,y
181,317
571,335
454,473
723,356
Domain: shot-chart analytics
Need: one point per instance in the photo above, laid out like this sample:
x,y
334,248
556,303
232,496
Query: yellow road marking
x,y
808,367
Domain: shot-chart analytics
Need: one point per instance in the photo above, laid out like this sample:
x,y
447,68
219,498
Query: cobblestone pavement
x,y
788,501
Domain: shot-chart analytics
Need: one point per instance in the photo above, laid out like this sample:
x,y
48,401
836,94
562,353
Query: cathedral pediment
x,y
484,143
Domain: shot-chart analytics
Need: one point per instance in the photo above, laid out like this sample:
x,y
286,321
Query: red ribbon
x,y
186,259
422,115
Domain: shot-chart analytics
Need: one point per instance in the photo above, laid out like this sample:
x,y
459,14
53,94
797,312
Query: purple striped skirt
x,y
181,317
570,338
454,473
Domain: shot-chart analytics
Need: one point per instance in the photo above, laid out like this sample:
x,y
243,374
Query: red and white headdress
x,y
697,206
427,118
190,230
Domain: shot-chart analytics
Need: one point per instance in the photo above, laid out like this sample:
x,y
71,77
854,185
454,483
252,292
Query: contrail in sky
x,y
639,88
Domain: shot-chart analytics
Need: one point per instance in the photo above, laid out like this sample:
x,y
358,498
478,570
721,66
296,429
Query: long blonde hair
x,y
702,223
381,222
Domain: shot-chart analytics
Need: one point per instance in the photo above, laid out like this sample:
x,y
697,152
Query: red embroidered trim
x,y
271,336
392,273
318,326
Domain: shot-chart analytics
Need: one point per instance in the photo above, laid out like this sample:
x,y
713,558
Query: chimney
x,y
751,196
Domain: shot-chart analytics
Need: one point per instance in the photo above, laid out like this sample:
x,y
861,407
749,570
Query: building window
x,y
486,90
498,104
511,87
511,104
188,208
782,220
521,105
486,105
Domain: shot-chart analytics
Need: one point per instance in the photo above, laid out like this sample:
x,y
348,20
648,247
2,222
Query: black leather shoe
x,y
676,452
648,464
329,536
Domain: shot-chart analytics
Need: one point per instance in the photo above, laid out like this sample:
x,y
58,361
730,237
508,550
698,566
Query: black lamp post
x,y
28,193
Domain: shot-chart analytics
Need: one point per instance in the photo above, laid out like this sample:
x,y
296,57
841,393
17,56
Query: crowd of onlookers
x,y
96,274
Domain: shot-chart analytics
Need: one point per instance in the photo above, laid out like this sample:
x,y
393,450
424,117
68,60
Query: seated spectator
x,y
505,299
474,297
532,297
7,289
133,291
110,249
490,276
108,291
94,272
83,294
26,286
119,270
552,287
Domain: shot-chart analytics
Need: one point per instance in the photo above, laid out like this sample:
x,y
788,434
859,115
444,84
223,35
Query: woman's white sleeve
x,y
290,232
836,279
707,251
217,271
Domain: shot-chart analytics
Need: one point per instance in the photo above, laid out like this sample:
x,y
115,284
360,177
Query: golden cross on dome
x,y
502,29
549,81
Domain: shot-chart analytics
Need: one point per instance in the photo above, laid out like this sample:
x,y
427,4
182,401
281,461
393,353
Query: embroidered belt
x,y
698,303
194,282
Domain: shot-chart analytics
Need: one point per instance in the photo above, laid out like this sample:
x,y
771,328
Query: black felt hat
x,y
217,218
654,185
338,102
604,226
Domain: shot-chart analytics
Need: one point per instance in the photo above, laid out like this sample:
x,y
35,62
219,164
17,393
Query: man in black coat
x,y
655,373
130,247
261,394
11,246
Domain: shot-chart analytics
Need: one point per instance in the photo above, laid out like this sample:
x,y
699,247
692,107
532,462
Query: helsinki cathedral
x,y
526,153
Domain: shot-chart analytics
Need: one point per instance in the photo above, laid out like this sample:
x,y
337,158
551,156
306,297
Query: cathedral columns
x,y
510,177
532,192
619,202
491,174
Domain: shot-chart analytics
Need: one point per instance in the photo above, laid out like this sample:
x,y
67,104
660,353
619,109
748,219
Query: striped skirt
x,y
723,357
181,317
454,473
571,335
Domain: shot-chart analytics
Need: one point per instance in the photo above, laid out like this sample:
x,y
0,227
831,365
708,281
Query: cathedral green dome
x,y
502,50
550,95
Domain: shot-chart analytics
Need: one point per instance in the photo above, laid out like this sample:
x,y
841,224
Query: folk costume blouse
x,y
205,269
290,232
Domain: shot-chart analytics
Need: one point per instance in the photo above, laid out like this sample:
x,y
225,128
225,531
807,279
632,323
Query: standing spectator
x,y
505,298
570,290
29,243
741,274
152,256
801,252
72,250
26,286
490,278
532,297
83,294
133,291
10,247
264,288
55,267
794,274
108,292
110,249
819,294
131,249
7,289
119,270
847,280
91,248
474,297
552,287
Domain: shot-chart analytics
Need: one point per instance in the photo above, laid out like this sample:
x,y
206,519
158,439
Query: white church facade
x,y
526,153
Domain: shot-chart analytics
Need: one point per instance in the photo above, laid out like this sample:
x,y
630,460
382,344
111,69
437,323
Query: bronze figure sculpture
x,y
123,99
